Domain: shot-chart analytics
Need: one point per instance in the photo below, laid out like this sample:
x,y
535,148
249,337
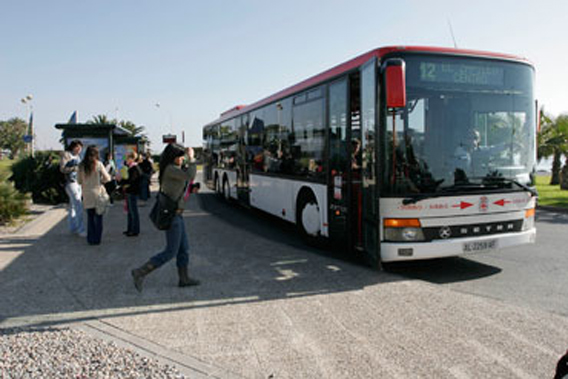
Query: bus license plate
x,y
477,246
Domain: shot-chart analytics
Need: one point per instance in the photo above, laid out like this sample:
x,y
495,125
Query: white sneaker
x,y
82,234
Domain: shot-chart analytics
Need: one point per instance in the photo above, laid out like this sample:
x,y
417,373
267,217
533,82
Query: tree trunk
x,y
556,166
564,177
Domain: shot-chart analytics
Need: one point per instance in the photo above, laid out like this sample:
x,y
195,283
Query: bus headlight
x,y
403,230
528,223
404,234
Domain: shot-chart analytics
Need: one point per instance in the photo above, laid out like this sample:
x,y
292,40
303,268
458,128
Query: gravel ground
x,y
68,353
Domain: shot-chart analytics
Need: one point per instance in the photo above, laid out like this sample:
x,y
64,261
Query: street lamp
x,y
29,137
166,114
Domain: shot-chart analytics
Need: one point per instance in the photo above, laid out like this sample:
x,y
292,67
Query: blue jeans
x,y
133,225
144,187
176,245
94,227
75,213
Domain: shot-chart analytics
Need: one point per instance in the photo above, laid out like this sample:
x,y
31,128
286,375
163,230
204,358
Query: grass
x,y
551,196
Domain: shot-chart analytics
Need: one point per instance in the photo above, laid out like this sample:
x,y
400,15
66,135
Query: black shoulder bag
x,y
163,211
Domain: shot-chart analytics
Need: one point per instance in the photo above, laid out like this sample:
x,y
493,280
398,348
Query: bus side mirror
x,y
395,82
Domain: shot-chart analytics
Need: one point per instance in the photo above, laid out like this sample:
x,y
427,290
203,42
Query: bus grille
x,y
471,230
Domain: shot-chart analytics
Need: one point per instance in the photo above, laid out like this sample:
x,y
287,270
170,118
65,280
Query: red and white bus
x,y
401,153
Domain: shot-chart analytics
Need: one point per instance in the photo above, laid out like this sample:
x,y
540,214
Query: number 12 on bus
x,y
401,153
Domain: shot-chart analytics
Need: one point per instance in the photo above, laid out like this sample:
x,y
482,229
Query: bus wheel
x,y
226,189
308,217
217,185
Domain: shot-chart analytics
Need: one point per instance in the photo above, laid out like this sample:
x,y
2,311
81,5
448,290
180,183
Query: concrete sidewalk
x,y
268,305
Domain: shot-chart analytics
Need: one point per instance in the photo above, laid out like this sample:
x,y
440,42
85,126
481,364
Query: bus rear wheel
x,y
217,185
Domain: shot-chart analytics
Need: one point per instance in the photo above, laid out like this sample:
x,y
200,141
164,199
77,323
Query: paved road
x,y
533,275
269,306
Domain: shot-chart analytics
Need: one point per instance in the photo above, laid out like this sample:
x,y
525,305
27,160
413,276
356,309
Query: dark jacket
x,y
146,167
132,183
175,181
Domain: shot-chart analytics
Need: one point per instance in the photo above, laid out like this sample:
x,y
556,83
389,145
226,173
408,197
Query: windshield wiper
x,y
497,179
488,181
459,187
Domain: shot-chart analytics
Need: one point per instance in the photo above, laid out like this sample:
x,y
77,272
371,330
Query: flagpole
x,y
32,130
28,101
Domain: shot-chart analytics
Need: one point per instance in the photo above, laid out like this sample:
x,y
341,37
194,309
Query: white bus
x,y
402,153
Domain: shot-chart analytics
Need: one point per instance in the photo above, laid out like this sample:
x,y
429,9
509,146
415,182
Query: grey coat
x,y
175,181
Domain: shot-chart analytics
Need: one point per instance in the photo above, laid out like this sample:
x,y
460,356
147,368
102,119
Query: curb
x,y
186,365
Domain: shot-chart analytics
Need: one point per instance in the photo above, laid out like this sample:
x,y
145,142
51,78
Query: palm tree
x,y
553,141
135,131
101,119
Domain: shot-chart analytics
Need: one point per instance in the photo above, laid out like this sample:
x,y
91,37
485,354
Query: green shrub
x,y
41,177
13,204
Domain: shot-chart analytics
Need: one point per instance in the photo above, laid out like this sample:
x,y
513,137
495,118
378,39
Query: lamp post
x,y
29,137
167,114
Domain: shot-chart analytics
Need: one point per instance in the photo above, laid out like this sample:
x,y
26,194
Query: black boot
x,y
184,279
139,274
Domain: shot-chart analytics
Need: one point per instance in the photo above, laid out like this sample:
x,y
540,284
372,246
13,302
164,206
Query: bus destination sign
x,y
455,73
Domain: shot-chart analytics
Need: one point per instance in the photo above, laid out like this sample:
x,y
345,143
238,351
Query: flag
x,y
73,118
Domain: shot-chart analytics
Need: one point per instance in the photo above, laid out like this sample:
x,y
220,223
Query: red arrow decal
x,y
501,202
462,205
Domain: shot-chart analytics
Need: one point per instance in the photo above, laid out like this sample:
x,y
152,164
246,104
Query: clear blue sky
x,y
199,58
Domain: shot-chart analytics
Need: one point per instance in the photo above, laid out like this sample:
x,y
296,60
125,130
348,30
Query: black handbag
x,y
163,211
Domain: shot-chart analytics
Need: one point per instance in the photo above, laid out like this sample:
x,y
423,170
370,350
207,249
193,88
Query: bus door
x,y
243,169
339,191
369,191
353,204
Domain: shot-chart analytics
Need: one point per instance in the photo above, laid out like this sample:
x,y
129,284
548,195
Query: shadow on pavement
x,y
443,270
551,217
240,258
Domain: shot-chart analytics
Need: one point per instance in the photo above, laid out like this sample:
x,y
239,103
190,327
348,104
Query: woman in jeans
x,y
132,190
174,179
92,176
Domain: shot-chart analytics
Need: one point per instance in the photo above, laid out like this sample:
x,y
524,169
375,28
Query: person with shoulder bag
x,y
92,177
174,179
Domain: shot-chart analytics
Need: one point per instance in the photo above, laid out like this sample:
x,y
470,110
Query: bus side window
x,y
309,136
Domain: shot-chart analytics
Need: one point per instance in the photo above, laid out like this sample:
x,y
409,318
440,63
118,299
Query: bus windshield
x,y
469,125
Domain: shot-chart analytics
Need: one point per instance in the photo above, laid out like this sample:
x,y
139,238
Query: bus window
x,y
309,138
229,143
338,129
255,141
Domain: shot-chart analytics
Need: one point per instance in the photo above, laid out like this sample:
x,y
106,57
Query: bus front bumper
x,y
392,252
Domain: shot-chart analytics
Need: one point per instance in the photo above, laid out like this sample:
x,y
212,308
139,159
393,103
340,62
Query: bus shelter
x,y
109,138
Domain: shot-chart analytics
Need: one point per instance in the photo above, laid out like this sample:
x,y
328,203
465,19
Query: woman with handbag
x,y
92,177
174,178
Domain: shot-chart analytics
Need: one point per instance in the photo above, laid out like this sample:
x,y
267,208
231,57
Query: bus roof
x,y
354,63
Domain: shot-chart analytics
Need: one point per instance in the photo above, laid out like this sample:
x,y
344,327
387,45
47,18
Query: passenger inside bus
x,y
355,154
